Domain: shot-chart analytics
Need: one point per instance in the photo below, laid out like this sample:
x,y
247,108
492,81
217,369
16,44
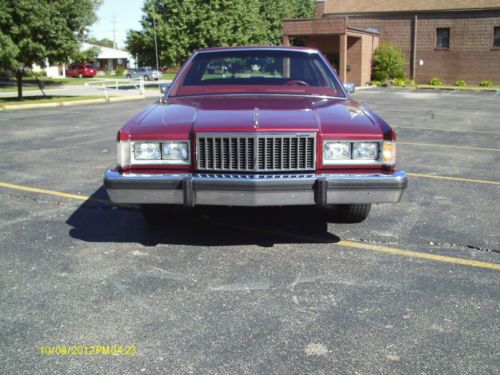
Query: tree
x,y
104,42
86,56
36,31
185,25
388,62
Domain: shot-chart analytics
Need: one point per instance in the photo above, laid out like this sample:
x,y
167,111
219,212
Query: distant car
x,y
288,135
146,73
81,70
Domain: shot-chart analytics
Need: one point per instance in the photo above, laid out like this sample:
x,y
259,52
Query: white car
x,y
146,73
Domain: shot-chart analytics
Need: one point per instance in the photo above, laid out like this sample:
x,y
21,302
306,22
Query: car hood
x,y
179,117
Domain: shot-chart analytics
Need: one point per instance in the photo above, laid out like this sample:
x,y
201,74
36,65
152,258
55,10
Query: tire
x,y
348,213
146,78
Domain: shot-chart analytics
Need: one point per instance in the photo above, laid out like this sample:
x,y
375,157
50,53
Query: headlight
x,y
336,151
365,151
357,152
175,151
147,151
153,153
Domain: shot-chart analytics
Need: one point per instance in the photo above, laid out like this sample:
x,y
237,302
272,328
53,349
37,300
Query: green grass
x,y
46,99
450,87
14,88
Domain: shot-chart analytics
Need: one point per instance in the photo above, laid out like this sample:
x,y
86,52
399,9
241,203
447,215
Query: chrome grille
x,y
256,152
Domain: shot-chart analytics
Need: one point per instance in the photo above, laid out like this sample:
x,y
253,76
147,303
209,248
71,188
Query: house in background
x,y
449,39
110,58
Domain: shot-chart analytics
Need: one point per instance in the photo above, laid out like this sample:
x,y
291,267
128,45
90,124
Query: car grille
x,y
256,152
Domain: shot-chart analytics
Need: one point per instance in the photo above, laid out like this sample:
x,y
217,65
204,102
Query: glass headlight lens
x,y
365,151
336,151
147,151
175,151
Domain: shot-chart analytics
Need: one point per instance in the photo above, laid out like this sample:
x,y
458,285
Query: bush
x,y
435,81
460,82
410,82
380,76
388,62
36,75
486,84
399,82
375,83
119,70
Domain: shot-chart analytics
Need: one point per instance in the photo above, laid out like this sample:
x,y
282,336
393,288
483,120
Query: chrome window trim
x,y
378,161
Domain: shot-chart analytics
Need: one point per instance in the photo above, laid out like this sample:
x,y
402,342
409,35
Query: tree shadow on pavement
x,y
98,220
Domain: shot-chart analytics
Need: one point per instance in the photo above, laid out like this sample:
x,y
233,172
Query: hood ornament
x,y
256,117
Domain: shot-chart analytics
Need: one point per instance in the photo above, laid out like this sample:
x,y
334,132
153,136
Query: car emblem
x,y
256,117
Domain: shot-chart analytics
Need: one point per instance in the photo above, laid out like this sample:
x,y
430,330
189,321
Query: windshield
x,y
258,71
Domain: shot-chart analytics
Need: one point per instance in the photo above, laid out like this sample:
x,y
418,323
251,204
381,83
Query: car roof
x,y
257,48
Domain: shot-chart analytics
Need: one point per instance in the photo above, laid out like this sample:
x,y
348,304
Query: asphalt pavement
x,y
413,289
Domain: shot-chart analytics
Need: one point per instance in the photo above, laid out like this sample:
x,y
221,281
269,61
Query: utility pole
x,y
114,30
156,42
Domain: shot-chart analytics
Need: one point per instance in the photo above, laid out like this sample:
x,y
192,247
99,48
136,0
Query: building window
x,y
496,37
443,37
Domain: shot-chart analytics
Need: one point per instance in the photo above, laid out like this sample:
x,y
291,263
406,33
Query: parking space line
x,y
44,191
460,179
380,249
346,243
420,255
448,146
448,130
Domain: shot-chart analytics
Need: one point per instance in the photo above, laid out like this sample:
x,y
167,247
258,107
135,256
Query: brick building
x,y
449,39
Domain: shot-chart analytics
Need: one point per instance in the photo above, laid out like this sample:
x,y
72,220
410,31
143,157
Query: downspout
x,y
414,49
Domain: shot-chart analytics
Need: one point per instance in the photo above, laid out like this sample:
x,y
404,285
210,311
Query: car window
x,y
286,71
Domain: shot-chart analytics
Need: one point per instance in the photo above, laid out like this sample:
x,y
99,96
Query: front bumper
x,y
254,190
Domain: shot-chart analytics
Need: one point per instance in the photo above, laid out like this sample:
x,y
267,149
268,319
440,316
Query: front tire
x,y
348,213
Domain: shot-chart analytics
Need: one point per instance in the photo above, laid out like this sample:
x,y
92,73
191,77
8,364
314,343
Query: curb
x,y
10,107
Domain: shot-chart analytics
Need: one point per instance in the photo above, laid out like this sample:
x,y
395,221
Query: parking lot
x,y
413,289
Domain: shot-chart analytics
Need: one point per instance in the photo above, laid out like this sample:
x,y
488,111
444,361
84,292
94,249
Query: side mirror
x,y
164,87
350,87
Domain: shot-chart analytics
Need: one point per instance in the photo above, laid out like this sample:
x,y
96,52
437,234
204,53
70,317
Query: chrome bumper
x,y
261,190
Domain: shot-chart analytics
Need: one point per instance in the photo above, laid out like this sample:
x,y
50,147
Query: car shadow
x,y
99,220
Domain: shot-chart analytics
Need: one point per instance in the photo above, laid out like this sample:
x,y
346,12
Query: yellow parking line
x,y
380,249
44,191
346,243
448,146
448,130
454,178
420,255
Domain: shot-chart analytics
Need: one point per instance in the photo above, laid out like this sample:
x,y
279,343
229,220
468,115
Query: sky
x,y
127,14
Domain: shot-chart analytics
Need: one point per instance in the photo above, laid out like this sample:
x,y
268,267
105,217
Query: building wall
x,y
360,6
359,53
470,56
393,28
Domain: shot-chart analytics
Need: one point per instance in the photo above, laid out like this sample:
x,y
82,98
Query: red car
x,y
81,70
276,127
